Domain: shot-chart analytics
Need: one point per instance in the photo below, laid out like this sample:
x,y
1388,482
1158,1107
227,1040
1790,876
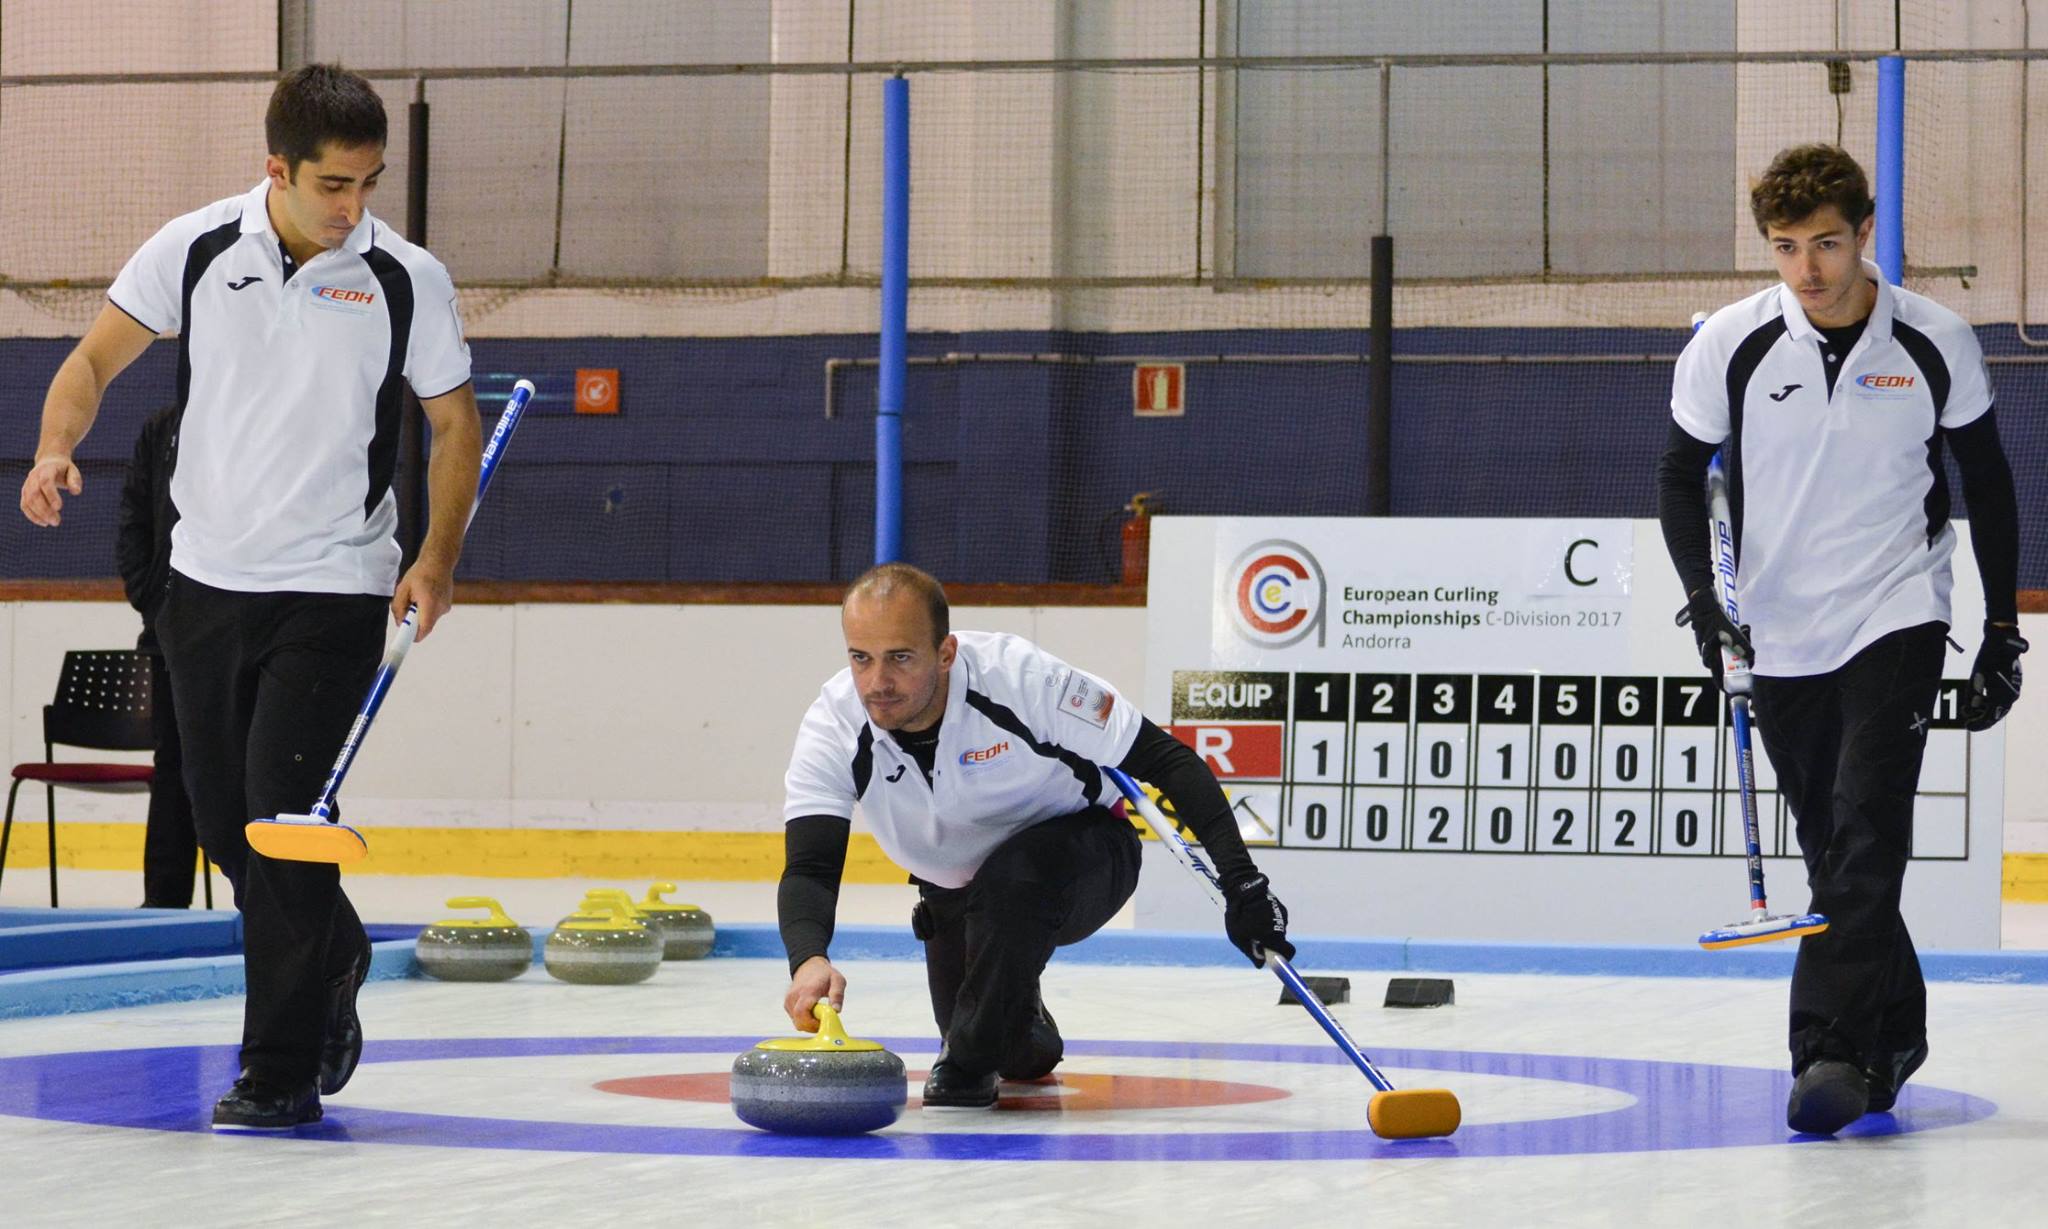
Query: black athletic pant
x,y
1052,884
1846,746
170,845
267,685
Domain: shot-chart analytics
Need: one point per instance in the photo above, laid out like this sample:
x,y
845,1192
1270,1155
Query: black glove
x,y
1713,630
1994,678
1255,920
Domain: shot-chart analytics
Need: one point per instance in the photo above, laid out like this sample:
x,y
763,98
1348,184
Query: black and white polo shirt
x,y
1840,505
292,383
1021,742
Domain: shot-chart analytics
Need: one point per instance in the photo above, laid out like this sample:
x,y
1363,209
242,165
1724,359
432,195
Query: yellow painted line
x,y
2026,878
496,853
566,853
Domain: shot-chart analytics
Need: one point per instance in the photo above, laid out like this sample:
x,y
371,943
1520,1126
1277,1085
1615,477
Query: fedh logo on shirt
x,y
983,758
1882,384
342,299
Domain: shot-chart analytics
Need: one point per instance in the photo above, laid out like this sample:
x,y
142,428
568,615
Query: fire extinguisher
x,y
1137,535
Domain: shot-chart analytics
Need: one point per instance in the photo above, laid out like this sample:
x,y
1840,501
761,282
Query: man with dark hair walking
x,y
301,319
142,554
1831,398
975,758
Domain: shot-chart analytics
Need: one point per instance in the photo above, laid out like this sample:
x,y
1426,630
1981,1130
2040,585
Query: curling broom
x,y
1762,926
1393,1113
319,835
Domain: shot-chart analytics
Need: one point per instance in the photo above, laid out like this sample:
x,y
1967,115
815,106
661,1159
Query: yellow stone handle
x,y
618,900
655,898
829,1026
498,916
831,1036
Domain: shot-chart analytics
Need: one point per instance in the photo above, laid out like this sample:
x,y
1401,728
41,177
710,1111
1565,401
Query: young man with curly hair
x,y
1832,398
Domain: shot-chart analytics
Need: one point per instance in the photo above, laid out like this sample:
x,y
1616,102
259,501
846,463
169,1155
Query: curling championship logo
x,y
1277,595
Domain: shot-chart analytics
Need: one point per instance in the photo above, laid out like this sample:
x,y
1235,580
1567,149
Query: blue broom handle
x,y
394,657
408,628
1736,678
1745,770
1187,857
501,435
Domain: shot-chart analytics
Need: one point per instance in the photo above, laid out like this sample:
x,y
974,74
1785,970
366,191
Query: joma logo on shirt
x,y
1884,382
983,756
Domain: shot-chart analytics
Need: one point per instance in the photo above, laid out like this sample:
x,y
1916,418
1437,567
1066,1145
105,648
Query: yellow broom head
x,y
1414,1113
304,838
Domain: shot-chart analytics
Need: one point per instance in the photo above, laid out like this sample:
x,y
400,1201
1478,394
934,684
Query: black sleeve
x,y
1197,800
1994,514
807,900
135,536
1682,507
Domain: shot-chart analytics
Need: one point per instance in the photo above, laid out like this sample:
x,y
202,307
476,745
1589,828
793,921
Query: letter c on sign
x,y
1572,576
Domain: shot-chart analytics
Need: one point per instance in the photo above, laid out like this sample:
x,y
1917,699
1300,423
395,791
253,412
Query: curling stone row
x,y
495,948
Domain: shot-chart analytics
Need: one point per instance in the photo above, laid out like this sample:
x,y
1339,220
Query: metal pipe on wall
x,y
2026,96
412,425
895,320
1379,412
1891,167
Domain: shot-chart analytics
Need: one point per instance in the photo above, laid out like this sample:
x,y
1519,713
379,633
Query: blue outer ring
x,y
1677,1106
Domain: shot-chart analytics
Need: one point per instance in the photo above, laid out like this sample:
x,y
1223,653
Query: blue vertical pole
x,y
1891,167
895,319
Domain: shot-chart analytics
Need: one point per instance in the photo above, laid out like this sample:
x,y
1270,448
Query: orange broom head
x,y
1414,1113
302,838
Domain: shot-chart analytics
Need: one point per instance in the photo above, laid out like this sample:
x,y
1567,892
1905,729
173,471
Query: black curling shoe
x,y
1047,1048
343,1047
951,1086
254,1106
1889,1074
1829,1095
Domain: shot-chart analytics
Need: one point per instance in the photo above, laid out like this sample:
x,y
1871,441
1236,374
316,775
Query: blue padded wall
x,y
722,467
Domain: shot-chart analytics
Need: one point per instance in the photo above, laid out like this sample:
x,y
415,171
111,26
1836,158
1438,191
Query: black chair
x,y
103,704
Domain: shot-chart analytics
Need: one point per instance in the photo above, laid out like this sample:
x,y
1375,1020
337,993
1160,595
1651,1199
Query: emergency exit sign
x,y
1158,390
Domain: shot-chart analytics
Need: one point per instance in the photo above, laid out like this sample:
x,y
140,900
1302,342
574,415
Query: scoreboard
x,y
1491,729
1626,765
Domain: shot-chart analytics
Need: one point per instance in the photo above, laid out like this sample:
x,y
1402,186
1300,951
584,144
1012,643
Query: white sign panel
x,y
1491,729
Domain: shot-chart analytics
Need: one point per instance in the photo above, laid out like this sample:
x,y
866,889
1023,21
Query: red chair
x,y
102,703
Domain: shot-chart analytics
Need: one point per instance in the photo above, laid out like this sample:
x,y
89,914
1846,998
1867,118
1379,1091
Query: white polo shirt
x,y
292,392
1021,742
1840,503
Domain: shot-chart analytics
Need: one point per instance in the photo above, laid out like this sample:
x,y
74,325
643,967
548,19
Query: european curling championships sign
x,y
1491,729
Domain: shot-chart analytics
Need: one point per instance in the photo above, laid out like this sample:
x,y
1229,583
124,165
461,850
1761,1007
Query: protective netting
x,y
710,229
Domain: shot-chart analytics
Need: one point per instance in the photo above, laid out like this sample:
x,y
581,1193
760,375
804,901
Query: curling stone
x,y
686,930
828,1084
602,945
493,948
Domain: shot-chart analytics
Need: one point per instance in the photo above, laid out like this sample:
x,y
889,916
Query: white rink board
x,y
1491,729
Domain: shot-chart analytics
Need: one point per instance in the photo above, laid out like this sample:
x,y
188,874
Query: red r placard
x,y
1232,749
